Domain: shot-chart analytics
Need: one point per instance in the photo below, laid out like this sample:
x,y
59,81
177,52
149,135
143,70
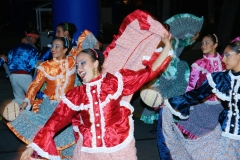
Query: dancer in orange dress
x,y
59,75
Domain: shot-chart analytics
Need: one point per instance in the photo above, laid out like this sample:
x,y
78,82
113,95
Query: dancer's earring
x,y
94,71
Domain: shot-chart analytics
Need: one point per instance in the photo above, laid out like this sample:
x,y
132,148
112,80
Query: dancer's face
x,y
58,50
208,46
231,59
60,32
87,69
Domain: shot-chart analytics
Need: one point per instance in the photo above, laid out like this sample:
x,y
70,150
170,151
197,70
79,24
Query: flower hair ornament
x,y
67,26
236,39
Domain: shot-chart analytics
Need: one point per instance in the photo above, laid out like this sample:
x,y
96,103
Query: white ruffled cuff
x,y
29,105
167,104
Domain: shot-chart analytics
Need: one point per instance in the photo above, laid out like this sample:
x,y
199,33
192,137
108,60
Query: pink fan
x,y
138,37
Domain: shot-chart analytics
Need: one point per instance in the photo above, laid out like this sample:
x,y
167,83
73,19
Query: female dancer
x,y
185,29
101,119
63,29
224,141
59,75
201,122
85,40
177,72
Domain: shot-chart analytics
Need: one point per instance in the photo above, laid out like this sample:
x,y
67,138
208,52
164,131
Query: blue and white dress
x,y
224,141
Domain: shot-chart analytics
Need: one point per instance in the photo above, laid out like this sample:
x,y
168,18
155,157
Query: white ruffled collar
x,y
95,82
234,75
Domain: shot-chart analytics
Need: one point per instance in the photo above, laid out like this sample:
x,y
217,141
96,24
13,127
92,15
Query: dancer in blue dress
x,y
224,141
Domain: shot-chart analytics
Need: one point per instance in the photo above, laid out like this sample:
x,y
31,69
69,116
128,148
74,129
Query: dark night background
x,y
220,16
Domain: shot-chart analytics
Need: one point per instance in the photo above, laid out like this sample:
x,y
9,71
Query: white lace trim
x,y
177,42
66,78
68,74
173,111
73,106
43,153
232,76
119,146
91,112
203,70
76,129
159,49
58,76
117,93
231,136
73,71
102,120
233,107
211,59
212,102
170,53
127,105
219,94
29,104
59,84
101,104
60,87
236,129
95,82
47,75
218,62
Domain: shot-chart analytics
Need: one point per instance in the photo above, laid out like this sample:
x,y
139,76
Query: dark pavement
x,y
146,144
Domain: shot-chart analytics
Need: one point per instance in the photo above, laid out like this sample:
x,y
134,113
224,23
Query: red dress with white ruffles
x,y
100,111
101,119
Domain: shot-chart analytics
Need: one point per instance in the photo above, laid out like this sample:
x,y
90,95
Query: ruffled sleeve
x,y
133,81
43,142
180,105
218,83
34,87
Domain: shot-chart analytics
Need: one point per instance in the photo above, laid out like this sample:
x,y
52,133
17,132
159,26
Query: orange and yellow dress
x,y
59,77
